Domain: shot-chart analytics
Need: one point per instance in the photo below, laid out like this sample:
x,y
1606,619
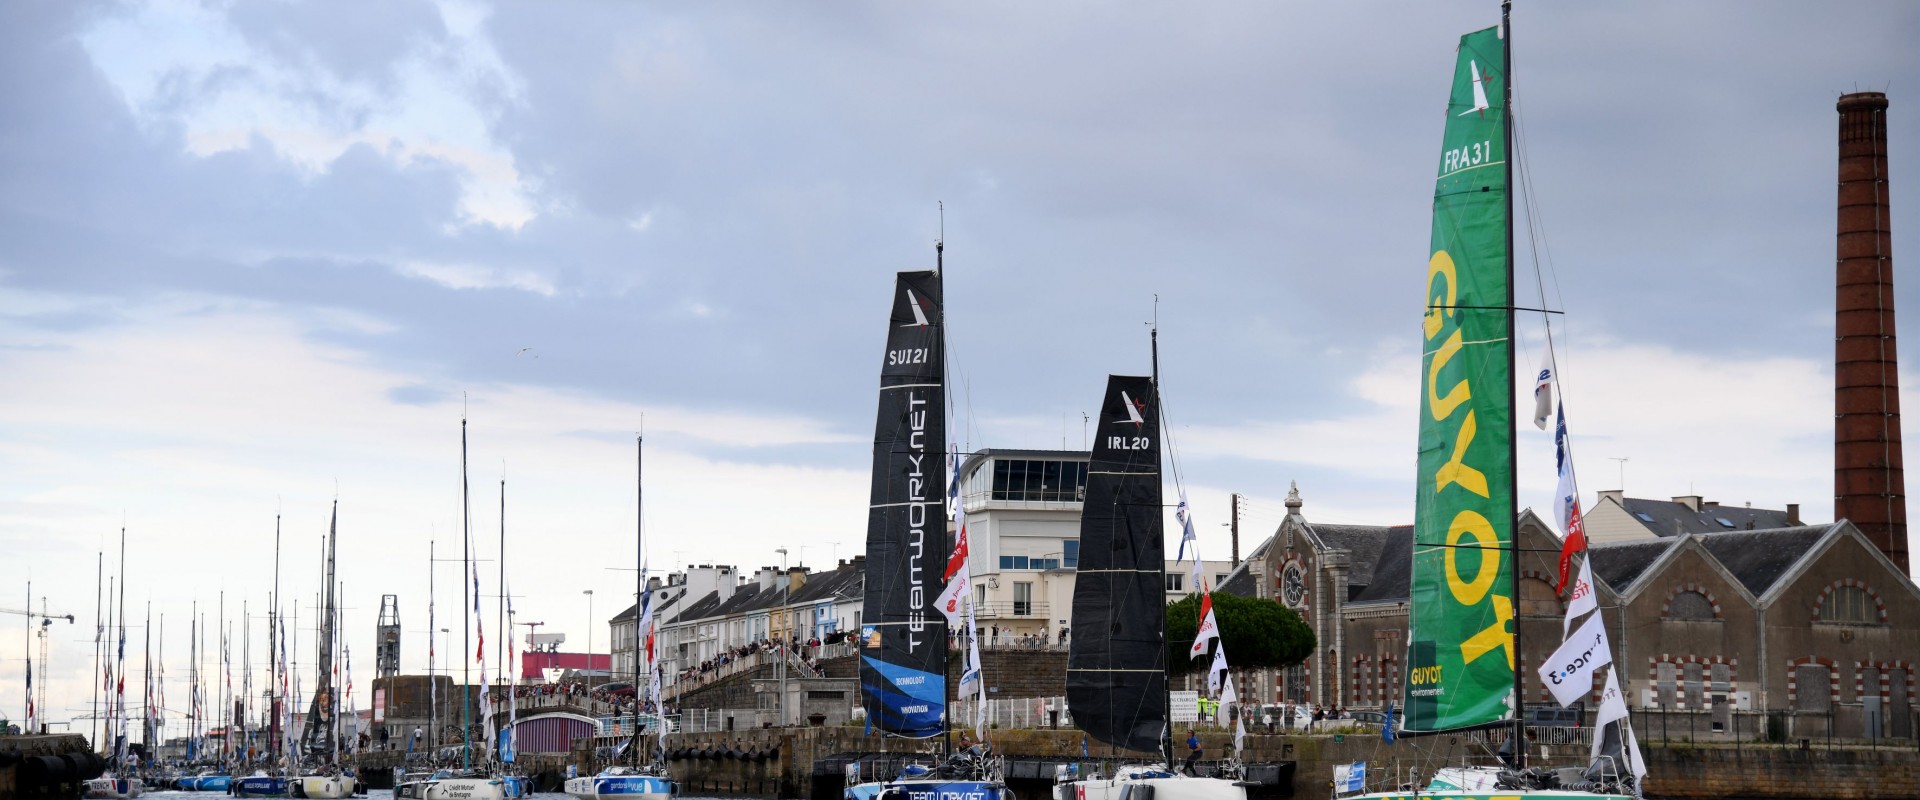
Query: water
x,y
375,794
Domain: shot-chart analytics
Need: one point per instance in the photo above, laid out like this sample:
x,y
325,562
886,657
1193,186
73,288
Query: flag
x,y
1184,513
953,600
1216,671
30,710
959,594
1613,706
1348,778
1207,631
1566,502
1583,598
1386,726
513,681
1568,673
1230,700
1543,392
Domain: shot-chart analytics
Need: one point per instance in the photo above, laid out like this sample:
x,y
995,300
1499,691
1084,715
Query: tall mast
x,y
99,571
120,665
146,683
1153,338
466,643
433,675
1513,491
949,688
273,662
640,586
500,605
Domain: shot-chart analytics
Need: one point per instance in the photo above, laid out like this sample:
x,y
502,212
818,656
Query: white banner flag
x,y
1208,631
1583,599
1543,392
1568,673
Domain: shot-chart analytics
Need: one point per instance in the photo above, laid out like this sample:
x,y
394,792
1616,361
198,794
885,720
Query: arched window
x,y
1850,604
1537,598
1691,606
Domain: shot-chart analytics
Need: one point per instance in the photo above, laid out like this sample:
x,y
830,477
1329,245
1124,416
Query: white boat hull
x,y
467,789
1178,787
326,787
115,788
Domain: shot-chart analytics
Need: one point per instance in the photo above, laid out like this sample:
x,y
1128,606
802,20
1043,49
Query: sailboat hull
x,y
1177,787
326,787
114,788
467,789
625,787
928,790
261,786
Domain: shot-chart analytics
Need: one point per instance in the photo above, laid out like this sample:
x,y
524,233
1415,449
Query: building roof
x,y
1392,576
1760,557
1619,564
1363,541
1672,518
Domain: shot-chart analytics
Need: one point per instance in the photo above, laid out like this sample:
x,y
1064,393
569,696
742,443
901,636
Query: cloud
x,y
189,67
469,276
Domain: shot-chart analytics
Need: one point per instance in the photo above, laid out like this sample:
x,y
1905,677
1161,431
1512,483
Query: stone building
x,y
1718,631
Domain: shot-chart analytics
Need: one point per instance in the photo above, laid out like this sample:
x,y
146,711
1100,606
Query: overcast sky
x,y
254,256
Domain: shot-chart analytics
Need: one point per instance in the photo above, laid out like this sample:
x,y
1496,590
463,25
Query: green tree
x,y
1257,633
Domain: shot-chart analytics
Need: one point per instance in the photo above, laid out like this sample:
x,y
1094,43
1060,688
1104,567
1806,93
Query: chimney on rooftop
x,y
1869,484
1691,501
796,578
1793,513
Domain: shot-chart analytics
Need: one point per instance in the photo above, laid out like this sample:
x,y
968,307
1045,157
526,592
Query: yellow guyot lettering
x,y
1455,471
1439,266
1470,523
1442,407
1495,637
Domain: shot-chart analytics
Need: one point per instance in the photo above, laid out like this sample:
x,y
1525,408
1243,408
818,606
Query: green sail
x,y
1460,633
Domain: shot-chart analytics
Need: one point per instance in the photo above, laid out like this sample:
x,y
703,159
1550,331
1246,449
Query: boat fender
x,y
8,757
730,754
42,770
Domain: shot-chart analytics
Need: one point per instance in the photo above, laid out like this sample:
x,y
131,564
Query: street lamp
x,y
589,594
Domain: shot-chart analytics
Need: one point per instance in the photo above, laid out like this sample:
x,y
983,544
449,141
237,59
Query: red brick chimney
x,y
1869,486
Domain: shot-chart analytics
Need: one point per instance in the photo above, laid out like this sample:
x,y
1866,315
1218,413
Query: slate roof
x,y
1364,541
1760,557
1240,581
1392,568
663,612
1668,518
1619,564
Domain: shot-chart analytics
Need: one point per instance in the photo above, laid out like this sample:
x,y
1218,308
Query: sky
x,y
257,257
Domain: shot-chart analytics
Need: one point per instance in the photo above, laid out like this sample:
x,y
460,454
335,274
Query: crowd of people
x,y
806,650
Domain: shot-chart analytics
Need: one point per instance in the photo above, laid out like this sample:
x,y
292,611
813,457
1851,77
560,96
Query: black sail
x,y
903,664
1117,663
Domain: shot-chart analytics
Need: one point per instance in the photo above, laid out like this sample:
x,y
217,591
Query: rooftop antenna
x,y
1622,462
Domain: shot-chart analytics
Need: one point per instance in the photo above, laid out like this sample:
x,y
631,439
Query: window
x,y
1693,677
1174,583
1044,563
1644,516
1013,562
1025,480
980,596
1022,599
1691,606
1849,604
1722,677
1724,522
1219,579
1070,553
1666,674
1813,689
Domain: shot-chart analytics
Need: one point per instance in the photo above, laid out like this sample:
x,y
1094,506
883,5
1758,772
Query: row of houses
x,y
1720,610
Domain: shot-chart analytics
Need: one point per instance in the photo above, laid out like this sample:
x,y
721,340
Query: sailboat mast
x,y
466,565
948,688
1513,489
99,573
500,603
640,589
273,662
433,675
1153,339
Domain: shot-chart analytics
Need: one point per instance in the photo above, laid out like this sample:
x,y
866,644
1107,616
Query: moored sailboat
x,y
1117,680
1463,631
903,637
638,779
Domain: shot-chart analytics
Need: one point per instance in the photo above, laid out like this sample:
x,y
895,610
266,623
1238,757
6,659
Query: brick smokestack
x,y
1869,486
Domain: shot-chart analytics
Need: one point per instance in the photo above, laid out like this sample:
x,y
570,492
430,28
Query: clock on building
x,y
1293,585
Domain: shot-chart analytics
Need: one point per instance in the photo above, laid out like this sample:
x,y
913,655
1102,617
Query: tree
x,y
1257,633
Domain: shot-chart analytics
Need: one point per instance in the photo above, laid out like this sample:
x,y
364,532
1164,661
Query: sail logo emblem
x,y
1134,407
1479,91
919,315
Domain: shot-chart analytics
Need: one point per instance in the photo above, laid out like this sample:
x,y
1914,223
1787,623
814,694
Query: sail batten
x,y
903,636
1117,659
1460,647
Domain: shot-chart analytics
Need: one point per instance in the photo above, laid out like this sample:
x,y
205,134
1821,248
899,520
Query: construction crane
x,y
46,621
